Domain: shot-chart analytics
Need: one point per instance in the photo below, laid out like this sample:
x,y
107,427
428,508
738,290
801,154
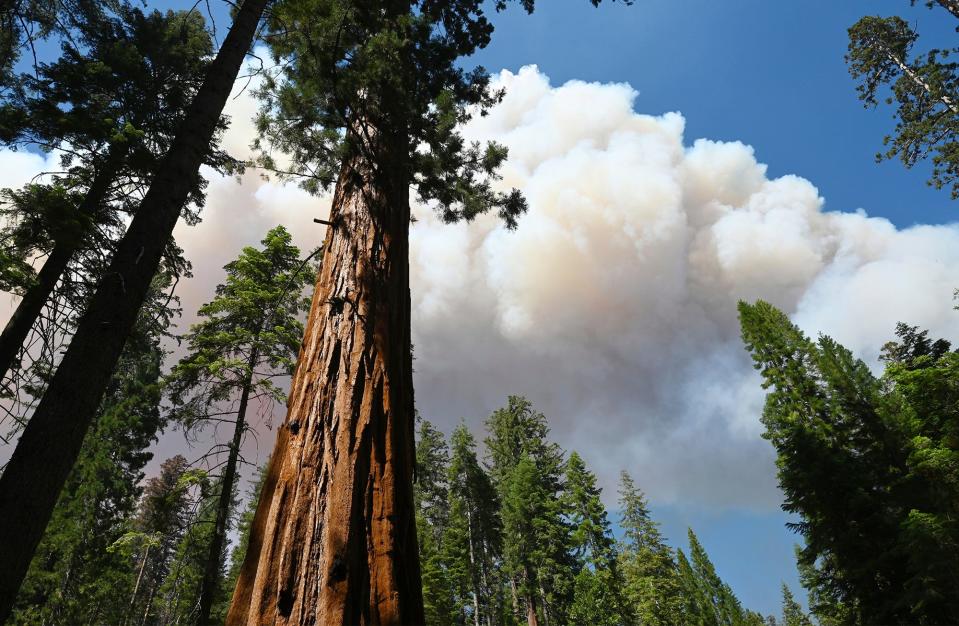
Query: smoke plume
x,y
612,306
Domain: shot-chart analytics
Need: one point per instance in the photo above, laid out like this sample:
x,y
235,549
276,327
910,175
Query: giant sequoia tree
x,y
51,441
370,96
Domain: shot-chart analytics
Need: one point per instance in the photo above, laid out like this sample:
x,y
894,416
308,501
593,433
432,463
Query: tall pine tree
x,y
528,473
865,462
473,541
50,444
793,613
598,591
110,105
164,517
708,600
431,495
76,576
924,88
247,337
652,583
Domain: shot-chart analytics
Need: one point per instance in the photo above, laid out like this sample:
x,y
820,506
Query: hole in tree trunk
x,y
285,602
338,570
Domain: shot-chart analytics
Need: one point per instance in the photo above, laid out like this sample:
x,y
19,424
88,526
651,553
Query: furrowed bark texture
x,y
50,443
334,539
28,310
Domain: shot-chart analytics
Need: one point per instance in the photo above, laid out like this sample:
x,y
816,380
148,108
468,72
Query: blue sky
x,y
770,74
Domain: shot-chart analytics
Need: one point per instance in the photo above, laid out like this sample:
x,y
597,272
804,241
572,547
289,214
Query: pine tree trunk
x,y
532,618
542,594
95,613
149,607
28,310
51,441
136,586
515,593
211,571
484,582
489,595
473,573
918,80
334,539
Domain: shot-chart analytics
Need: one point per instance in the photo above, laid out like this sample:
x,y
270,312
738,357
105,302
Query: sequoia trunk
x,y
51,441
334,539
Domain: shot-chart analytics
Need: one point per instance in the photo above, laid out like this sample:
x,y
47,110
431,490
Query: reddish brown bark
x,y
334,538
532,618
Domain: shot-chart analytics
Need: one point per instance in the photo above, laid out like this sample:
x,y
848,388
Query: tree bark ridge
x,y
334,534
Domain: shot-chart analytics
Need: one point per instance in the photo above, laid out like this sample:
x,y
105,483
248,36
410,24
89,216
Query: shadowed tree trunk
x,y
334,538
51,441
30,306
211,572
473,574
28,309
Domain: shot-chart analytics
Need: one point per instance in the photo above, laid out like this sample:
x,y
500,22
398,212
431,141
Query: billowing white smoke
x,y
612,307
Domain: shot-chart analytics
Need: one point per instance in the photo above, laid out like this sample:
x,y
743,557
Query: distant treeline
x,y
518,534
523,537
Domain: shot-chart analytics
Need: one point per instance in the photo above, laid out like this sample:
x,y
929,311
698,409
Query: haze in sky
x,y
677,156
